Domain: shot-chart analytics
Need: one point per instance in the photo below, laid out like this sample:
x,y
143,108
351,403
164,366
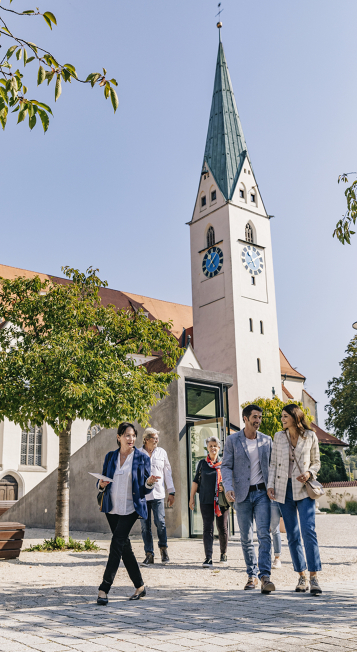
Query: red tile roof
x,y
326,438
286,392
157,366
287,369
343,483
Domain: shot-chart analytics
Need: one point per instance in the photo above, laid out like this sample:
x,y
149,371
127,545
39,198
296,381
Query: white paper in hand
x,y
101,477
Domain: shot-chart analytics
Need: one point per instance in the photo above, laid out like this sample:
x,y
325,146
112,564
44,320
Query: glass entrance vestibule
x,y
207,415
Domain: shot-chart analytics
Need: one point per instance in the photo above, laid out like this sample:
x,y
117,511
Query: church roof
x,y
225,145
287,369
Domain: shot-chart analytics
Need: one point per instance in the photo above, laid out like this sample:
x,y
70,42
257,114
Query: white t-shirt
x,y
256,476
121,491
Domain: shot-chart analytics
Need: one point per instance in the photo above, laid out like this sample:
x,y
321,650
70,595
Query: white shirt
x,y
121,491
256,476
160,465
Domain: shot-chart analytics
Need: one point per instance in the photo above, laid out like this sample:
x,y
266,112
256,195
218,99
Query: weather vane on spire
x,y
219,24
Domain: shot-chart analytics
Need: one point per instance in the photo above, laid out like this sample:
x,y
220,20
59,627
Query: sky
x,y
116,191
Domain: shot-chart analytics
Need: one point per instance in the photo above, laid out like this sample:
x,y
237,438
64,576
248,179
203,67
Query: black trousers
x,y
207,512
120,548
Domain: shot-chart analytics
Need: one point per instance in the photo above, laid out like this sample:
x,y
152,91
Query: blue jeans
x,y
275,527
306,509
255,506
158,508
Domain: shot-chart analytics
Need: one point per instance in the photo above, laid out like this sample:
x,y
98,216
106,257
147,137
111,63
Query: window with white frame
x,y
251,324
261,328
259,366
93,431
31,446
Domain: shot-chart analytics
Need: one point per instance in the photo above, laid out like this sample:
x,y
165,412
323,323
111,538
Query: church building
x,y
230,334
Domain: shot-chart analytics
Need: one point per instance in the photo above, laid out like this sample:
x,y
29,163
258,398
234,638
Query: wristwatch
x,y
172,493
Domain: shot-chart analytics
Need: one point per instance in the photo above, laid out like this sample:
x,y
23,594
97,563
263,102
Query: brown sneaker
x,y
251,584
266,584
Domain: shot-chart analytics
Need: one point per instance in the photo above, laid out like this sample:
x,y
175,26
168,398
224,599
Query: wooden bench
x,y
11,538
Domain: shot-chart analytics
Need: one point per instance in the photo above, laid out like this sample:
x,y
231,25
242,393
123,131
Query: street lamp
x,y
355,325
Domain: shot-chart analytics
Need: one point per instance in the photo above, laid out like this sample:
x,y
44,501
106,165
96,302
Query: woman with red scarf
x,y
208,483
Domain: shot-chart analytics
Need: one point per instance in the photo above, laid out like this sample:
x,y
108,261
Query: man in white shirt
x,y
160,466
245,470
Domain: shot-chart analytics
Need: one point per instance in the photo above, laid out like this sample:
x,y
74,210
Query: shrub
x,y
336,509
351,507
58,544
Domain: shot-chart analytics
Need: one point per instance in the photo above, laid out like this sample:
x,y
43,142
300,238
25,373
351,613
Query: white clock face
x,y
252,259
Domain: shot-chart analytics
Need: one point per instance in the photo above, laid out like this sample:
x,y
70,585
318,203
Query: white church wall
x,y
295,386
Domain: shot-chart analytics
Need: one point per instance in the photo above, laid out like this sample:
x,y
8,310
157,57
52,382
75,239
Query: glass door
x,y
197,434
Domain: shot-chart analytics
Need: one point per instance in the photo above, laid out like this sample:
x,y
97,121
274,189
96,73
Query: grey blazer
x,y
236,463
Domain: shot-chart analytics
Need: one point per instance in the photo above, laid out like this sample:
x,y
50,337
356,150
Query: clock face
x,y
212,262
252,260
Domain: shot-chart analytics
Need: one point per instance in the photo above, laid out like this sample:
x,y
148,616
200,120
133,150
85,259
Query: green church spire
x,y
225,146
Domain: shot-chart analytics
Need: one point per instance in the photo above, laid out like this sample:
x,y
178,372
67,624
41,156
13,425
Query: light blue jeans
x,y
275,527
256,507
306,509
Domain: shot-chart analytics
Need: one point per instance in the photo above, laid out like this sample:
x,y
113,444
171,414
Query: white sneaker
x,y
276,563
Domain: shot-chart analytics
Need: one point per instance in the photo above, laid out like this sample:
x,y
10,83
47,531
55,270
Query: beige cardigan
x,y
306,453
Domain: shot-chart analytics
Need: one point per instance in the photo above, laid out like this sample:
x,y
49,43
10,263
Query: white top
x,y
256,476
121,491
160,465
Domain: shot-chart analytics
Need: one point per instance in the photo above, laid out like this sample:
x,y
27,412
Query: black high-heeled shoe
x,y
102,601
137,596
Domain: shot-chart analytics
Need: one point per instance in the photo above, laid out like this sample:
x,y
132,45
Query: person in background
x,y
208,483
155,500
297,442
123,503
275,533
245,469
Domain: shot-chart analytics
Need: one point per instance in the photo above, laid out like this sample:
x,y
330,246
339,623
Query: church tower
x,y
234,312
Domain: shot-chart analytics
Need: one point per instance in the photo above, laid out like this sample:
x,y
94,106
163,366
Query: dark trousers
x,y
157,507
207,512
120,548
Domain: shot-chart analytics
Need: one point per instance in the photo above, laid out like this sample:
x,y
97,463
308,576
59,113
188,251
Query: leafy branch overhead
x,y
343,227
14,93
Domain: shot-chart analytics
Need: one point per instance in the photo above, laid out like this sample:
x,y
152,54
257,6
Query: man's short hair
x,y
247,411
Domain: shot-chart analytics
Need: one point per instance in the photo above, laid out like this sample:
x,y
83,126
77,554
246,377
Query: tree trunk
x,y
62,502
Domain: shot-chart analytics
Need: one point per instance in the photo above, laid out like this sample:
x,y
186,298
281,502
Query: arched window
x,y
31,446
93,431
249,233
251,324
259,367
210,237
261,328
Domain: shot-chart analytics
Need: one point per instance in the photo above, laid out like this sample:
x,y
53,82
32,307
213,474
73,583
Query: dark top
x,y
207,483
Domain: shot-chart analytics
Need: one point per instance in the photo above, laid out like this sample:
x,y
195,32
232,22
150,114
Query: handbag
x,y
222,500
100,497
314,488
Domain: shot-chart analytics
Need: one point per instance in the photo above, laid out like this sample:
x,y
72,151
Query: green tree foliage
x,y
272,409
342,393
332,466
343,227
14,93
65,356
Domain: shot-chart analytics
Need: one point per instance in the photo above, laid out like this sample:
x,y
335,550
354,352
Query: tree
x,y
343,227
342,393
64,356
13,92
272,409
332,466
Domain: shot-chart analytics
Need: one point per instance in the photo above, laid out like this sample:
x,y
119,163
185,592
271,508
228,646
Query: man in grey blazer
x,y
245,470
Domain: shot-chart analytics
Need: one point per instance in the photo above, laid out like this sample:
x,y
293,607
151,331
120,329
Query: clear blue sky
x,y
115,191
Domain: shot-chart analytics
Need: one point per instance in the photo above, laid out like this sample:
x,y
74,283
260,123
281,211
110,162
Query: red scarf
x,y
216,466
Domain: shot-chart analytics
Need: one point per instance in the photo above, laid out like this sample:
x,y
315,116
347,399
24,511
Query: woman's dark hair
x,y
122,428
299,417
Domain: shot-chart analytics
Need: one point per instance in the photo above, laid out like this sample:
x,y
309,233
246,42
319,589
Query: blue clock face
x,y
252,259
212,262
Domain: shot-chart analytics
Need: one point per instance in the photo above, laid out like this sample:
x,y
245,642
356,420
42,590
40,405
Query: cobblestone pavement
x,y
47,602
